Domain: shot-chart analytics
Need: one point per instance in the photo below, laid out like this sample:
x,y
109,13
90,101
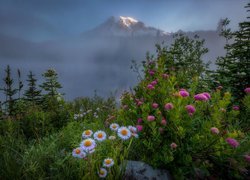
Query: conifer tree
x,y
20,83
9,91
234,68
51,84
32,94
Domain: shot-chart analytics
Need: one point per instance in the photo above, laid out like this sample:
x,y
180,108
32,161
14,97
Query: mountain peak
x,y
125,26
127,21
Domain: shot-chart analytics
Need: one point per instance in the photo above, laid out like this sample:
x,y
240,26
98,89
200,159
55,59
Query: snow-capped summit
x,y
125,26
128,21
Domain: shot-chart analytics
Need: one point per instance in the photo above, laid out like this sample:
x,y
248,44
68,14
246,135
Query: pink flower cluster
x,y
236,108
232,142
151,72
183,93
151,118
190,109
173,145
151,86
247,90
214,130
202,96
169,106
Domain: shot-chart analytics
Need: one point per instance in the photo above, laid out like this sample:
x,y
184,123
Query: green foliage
x,y
9,91
51,84
32,94
199,152
234,69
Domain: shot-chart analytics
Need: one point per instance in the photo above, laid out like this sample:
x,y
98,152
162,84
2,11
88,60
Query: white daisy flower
x,y
114,126
87,133
88,144
112,137
132,129
108,162
124,133
78,153
100,135
102,173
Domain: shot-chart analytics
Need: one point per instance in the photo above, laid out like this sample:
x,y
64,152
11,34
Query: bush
x,y
196,131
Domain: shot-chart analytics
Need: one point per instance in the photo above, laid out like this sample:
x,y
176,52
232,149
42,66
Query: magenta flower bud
x,y
161,130
200,97
169,106
163,122
220,87
151,72
155,105
139,103
150,86
165,76
214,130
184,93
247,158
236,108
151,118
139,128
190,109
125,107
247,90
154,82
173,145
232,142
139,120
207,95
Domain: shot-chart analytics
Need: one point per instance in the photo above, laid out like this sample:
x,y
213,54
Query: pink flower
x,y
139,103
214,130
173,145
232,142
151,118
165,76
184,93
190,109
169,106
161,130
151,72
200,97
125,107
154,82
150,86
139,128
236,108
219,87
155,105
207,95
247,158
163,122
139,120
247,90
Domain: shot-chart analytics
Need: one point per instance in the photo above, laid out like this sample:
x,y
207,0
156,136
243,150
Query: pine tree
x,y
9,91
20,83
234,68
32,94
184,57
51,84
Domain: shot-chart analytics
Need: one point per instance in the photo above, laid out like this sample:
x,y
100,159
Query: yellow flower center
x,y
87,143
108,161
114,126
124,132
100,135
77,151
88,132
102,172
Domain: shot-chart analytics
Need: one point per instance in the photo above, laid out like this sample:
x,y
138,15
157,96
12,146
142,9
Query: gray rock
x,y
137,170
